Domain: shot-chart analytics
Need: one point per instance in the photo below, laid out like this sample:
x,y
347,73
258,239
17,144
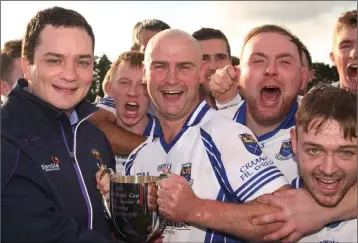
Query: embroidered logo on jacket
x,y
250,144
53,166
286,151
97,155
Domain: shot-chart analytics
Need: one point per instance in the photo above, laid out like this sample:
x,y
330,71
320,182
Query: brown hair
x,y
346,20
324,103
134,58
148,24
268,28
56,17
10,51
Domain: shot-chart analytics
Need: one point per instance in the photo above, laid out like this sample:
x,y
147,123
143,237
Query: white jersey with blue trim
x,y
220,159
148,132
275,144
336,232
107,103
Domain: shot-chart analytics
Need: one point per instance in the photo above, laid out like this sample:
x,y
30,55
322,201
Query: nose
x,y
133,89
69,72
172,76
353,53
271,69
328,166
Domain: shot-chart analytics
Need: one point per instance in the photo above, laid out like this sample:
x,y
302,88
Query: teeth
x,y
132,103
328,181
353,66
172,92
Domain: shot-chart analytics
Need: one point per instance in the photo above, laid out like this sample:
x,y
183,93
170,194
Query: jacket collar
x,y
41,109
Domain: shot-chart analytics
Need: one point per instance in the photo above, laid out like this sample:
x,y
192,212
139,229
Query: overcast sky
x,y
112,22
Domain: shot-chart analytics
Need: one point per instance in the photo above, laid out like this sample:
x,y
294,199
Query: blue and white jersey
x,y
220,159
108,104
275,144
336,232
148,132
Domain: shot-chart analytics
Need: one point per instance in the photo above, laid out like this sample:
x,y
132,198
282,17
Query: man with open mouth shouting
x,y
344,52
130,97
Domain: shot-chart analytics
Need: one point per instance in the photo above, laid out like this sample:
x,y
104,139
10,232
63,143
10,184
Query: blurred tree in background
x,y
101,66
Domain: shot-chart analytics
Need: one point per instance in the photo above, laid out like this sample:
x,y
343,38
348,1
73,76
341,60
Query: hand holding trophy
x,y
132,205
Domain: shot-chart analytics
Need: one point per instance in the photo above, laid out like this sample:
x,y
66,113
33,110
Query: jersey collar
x,y
288,122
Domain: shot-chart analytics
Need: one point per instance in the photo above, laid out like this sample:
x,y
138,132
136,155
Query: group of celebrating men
x,y
252,156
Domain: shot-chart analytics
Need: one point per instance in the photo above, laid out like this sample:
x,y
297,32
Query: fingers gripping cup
x,y
129,207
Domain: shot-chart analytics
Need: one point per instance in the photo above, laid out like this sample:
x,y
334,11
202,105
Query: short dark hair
x,y
10,51
235,60
134,58
56,17
326,102
270,28
148,24
308,57
209,34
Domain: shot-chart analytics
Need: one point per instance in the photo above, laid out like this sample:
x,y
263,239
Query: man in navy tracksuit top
x,y
50,153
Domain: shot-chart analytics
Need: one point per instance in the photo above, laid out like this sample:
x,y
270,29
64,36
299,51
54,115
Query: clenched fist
x,y
224,84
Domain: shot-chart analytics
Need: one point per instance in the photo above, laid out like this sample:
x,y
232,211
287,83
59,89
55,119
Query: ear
x,y
331,55
108,88
25,64
304,75
4,88
293,139
203,68
144,80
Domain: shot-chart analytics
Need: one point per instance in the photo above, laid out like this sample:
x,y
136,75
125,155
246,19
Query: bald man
x,y
214,162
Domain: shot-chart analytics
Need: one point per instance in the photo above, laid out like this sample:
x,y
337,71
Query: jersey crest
x,y
250,144
186,172
286,151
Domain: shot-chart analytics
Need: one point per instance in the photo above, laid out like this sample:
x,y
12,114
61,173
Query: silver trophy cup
x,y
129,210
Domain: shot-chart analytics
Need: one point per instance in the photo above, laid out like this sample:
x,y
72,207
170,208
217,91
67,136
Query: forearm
x,y
234,219
345,210
122,141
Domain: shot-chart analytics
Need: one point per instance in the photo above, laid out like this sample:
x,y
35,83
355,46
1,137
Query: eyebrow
x,y
185,63
261,54
281,55
159,62
320,146
177,64
81,56
346,41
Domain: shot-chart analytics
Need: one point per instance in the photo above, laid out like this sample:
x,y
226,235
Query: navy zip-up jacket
x,y
48,167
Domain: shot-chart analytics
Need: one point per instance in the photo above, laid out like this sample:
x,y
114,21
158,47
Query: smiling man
x,y
325,142
344,51
48,185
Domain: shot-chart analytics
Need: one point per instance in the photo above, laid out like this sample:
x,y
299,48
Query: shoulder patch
x,y
250,144
286,151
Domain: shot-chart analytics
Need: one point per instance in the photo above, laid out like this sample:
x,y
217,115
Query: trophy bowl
x,y
129,210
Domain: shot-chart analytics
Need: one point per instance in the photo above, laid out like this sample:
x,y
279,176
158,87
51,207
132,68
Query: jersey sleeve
x,y
108,104
243,171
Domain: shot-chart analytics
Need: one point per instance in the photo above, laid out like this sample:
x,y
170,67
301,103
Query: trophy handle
x,y
110,172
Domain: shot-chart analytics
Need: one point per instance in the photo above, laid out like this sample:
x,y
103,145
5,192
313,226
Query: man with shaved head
x,y
212,160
